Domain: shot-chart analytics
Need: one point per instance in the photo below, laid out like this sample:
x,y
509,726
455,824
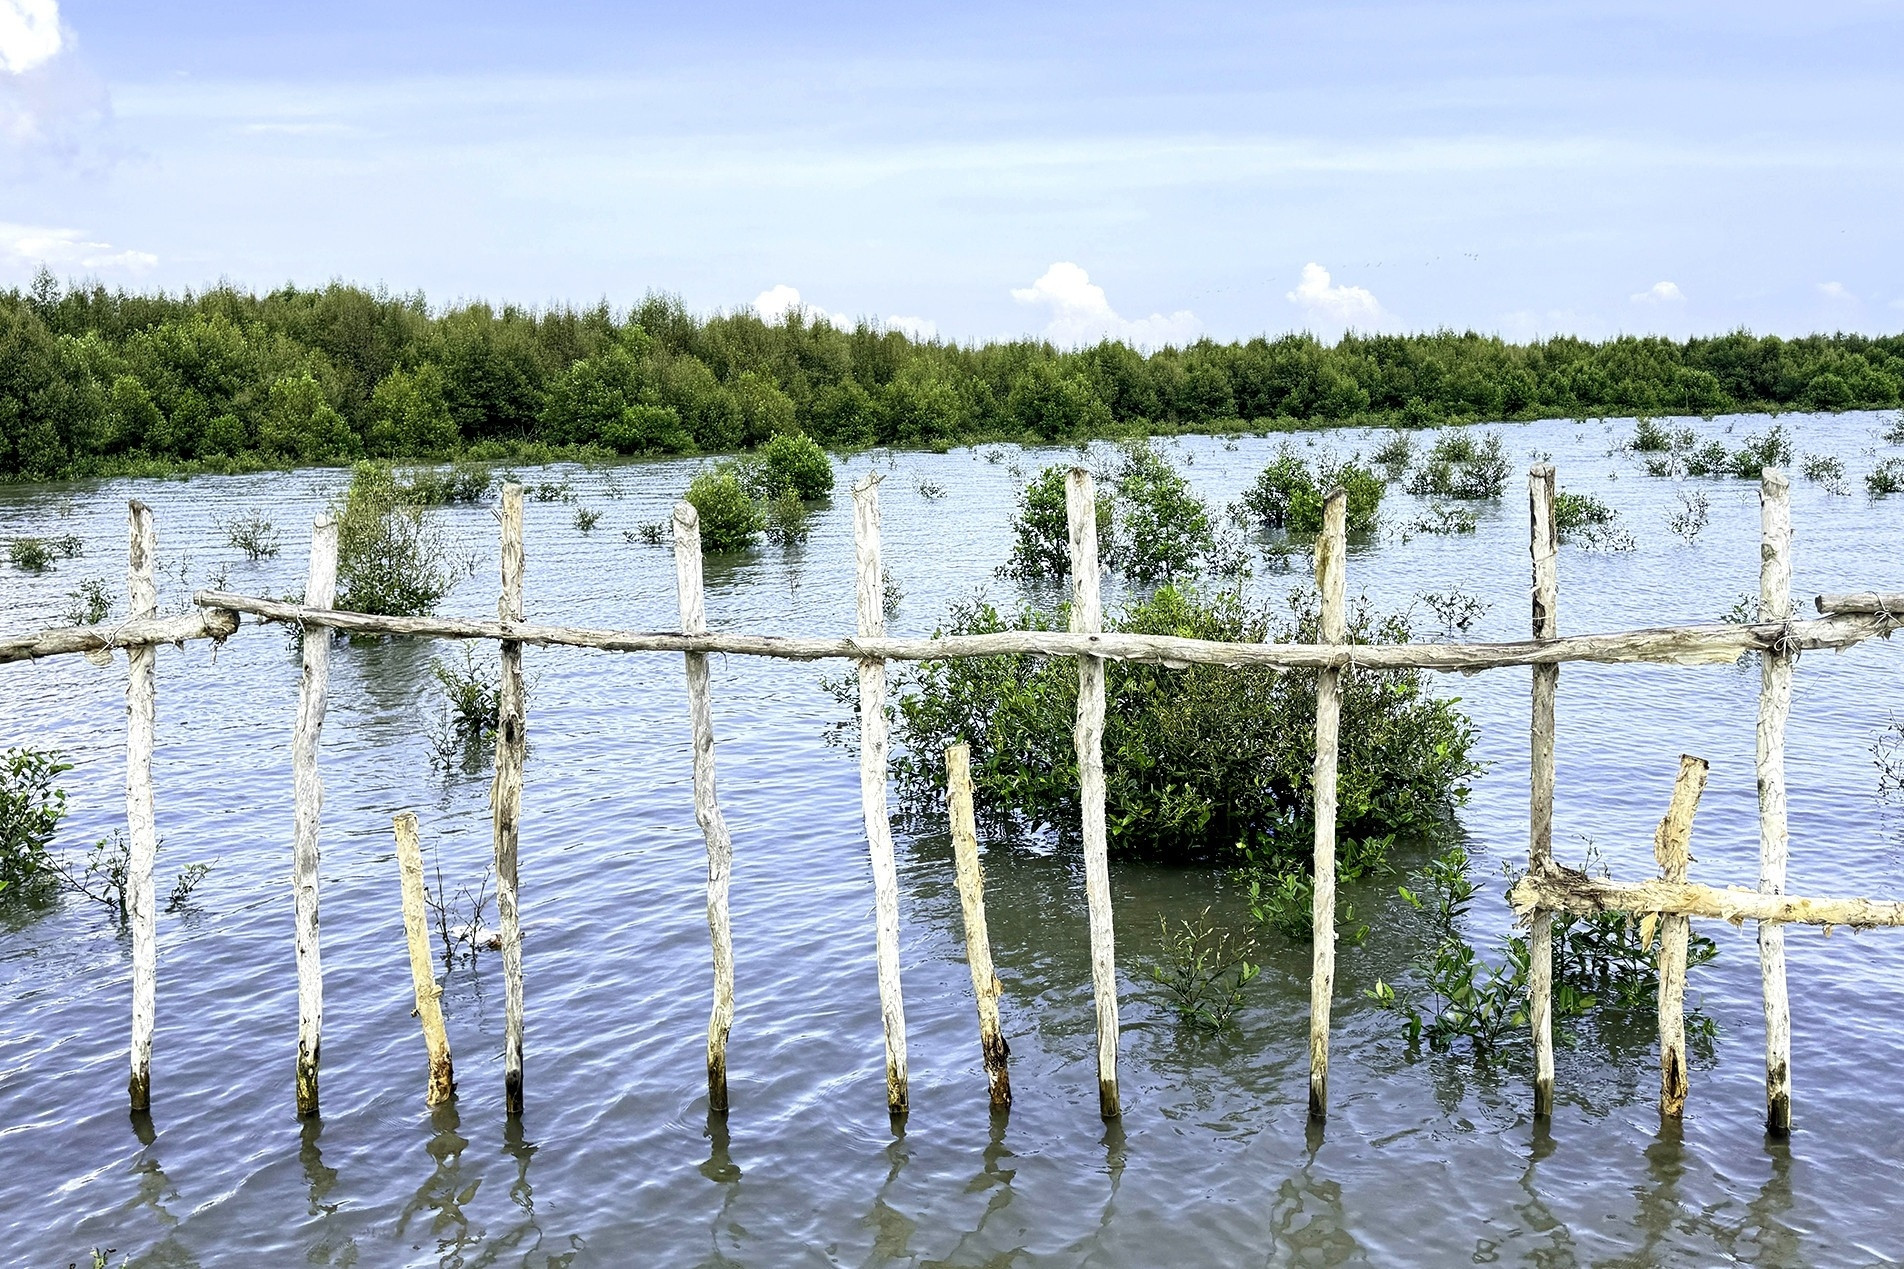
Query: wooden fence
x,y
1545,888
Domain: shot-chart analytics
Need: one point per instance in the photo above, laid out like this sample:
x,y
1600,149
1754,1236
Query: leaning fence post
x,y
978,943
1544,544
707,810
1332,583
1775,706
320,591
1672,847
871,596
505,797
1087,617
141,829
416,934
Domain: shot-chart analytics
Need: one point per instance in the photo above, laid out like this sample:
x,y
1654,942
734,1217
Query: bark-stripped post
x,y
1672,846
416,933
320,591
978,943
505,797
141,826
1332,583
720,847
1087,618
1544,543
871,595
1775,706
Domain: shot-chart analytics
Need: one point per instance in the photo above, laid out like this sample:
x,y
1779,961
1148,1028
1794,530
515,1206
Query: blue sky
x,y
1157,172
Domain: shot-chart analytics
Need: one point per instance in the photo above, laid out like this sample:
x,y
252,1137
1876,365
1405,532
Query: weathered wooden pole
x,y
707,810
978,943
1544,544
871,598
416,933
1332,583
141,825
1087,617
320,591
1672,846
1775,706
505,797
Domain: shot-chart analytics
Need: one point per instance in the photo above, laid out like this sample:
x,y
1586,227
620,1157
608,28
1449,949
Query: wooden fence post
x,y
707,810
416,934
141,827
871,598
1672,847
1332,583
505,797
1775,706
1087,617
320,591
978,943
1544,544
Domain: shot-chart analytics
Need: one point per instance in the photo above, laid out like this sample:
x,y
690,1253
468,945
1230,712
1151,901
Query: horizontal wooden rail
x,y
1671,645
1565,890
207,622
1869,601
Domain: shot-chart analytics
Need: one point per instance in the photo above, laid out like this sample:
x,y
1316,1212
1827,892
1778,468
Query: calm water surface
x,y
1423,1161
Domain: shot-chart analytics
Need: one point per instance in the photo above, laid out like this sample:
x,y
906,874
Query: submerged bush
x,y
788,462
1041,529
252,532
1205,763
786,519
390,561
1287,495
31,807
1151,526
1604,969
36,555
730,518
90,604
1461,466
1773,449
1203,971
1886,478
1827,470
462,481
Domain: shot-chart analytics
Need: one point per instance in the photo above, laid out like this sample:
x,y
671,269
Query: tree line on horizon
x,y
101,382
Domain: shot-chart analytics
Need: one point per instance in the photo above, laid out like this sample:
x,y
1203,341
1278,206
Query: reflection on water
x,y
444,1193
1426,1159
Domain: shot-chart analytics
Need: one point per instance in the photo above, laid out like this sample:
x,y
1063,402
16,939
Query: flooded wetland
x,y
1427,1157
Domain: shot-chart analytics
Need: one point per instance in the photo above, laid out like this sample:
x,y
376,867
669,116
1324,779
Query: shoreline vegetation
x,y
97,383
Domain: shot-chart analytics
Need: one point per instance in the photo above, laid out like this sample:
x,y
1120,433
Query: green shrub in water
x,y
1205,764
31,807
1151,527
1886,478
390,560
1461,466
1287,495
730,518
789,461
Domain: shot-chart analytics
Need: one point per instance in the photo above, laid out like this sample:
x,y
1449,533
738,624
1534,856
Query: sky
x,y
1156,173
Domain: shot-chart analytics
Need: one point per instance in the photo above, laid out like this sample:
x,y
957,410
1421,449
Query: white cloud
x,y
29,34
1333,307
1080,313
1835,291
774,303
34,245
1660,293
919,329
